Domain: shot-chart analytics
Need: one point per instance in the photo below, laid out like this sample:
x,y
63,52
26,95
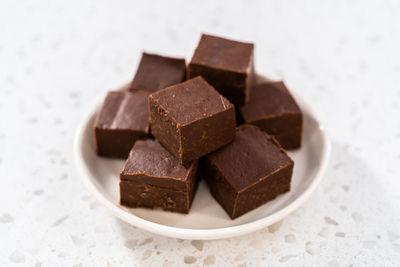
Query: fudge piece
x,y
121,121
247,173
157,72
225,64
274,110
191,119
153,178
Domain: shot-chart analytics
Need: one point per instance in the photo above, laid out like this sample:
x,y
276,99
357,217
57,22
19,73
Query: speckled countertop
x,y
56,60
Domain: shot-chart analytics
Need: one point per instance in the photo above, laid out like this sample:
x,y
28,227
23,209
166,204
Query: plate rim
x,y
200,234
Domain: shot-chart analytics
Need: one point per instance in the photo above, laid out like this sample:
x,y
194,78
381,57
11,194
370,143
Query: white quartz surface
x,y
58,58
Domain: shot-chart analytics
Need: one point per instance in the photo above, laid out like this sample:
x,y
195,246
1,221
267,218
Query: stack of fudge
x,y
177,124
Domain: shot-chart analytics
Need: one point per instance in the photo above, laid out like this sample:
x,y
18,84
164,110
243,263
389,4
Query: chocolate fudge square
x,y
122,119
153,178
225,64
158,72
247,173
274,110
191,119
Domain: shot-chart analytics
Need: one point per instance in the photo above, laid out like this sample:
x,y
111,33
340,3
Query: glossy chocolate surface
x,y
274,110
248,172
226,64
158,72
153,178
122,119
191,119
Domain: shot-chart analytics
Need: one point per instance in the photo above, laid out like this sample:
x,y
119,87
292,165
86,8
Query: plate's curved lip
x,y
200,234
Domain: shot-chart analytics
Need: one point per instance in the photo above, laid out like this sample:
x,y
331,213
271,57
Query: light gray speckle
x,y
198,244
369,244
37,36
60,221
346,188
85,197
21,53
64,176
6,218
78,241
28,70
210,260
312,248
172,35
58,121
333,263
362,65
355,125
46,104
242,265
33,251
340,234
52,152
393,236
17,257
32,120
146,241
339,165
38,192
256,243
374,38
287,257
93,205
333,199
396,247
62,254
189,259
77,265
357,217
131,244
168,264
239,257
343,208
38,264
275,227
324,232
74,94
146,254
290,238
329,220
10,78
56,44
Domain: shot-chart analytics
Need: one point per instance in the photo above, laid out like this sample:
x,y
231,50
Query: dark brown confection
x,y
121,121
153,178
248,172
225,64
191,119
157,72
274,110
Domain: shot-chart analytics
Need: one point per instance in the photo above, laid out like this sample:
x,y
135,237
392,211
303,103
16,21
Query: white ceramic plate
x,y
206,220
